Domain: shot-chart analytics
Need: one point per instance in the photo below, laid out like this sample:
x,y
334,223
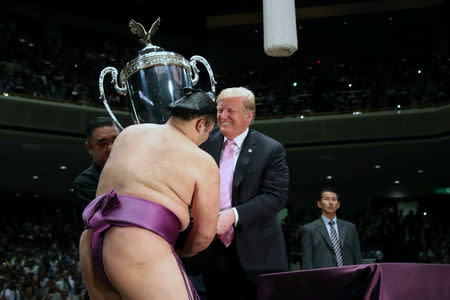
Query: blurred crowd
x,y
39,260
41,66
355,88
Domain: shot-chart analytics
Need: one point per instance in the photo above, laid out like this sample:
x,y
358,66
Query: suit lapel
x,y
216,146
247,152
341,233
322,229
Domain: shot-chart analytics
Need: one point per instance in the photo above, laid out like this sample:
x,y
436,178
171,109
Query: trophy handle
x,y
118,89
196,58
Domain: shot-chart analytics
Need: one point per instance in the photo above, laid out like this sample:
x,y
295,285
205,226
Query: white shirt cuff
x,y
236,215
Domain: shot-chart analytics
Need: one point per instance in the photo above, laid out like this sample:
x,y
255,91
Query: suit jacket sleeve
x,y
306,248
273,188
357,250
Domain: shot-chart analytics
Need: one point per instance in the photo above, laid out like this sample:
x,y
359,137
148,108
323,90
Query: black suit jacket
x,y
84,191
260,189
317,248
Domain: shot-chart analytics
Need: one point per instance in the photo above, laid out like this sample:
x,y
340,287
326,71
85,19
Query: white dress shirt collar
x,y
239,140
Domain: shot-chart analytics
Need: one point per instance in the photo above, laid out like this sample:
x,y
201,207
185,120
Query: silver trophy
x,y
153,80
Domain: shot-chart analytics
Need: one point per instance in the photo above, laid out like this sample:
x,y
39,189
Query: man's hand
x,y
226,220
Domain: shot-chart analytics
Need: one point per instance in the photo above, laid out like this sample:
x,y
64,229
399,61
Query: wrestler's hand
x,y
226,220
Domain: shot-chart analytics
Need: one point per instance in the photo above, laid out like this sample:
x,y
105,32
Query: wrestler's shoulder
x,y
138,127
207,161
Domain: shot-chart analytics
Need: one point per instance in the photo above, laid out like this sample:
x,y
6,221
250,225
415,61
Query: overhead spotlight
x,y
329,177
424,213
397,181
301,117
294,84
398,106
419,71
349,85
63,167
35,177
420,171
377,166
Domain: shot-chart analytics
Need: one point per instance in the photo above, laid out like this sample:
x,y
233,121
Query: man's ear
x,y
319,204
250,116
88,147
200,124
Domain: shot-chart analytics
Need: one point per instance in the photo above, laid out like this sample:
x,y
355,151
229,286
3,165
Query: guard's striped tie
x,y
336,245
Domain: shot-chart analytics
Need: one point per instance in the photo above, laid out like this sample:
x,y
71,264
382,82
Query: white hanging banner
x,y
280,29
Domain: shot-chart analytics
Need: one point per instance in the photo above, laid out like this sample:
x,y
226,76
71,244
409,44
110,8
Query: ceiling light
x,y
329,177
397,181
63,167
35,177
420,171
377,166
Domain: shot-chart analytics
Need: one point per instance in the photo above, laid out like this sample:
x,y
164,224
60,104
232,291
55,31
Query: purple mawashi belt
x,y
127,211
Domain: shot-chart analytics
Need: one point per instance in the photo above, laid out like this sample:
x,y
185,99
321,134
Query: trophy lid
x,y
151,55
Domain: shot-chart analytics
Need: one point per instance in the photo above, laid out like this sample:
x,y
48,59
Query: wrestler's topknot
x,y
195,103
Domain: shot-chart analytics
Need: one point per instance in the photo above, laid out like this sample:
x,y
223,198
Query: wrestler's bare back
x,y
158,163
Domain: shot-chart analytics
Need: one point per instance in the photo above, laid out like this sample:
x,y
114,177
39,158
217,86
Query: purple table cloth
x,y
387,281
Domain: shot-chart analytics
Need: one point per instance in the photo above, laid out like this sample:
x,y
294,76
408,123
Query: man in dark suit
x,y
100,135
329,241
254,188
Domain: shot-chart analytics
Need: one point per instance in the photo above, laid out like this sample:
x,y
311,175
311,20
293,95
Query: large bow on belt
x,y
93,217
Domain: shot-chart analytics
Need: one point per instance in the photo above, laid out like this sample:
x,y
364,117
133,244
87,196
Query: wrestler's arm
x,y
205,210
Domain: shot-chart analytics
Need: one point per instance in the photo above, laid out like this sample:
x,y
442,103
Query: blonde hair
x,y
249,97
